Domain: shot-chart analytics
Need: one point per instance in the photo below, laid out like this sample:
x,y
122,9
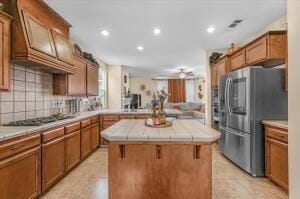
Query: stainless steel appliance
x,y
40,121
246,97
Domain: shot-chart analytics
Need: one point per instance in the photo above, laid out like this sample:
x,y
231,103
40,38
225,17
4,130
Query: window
x,y
102,86
161,85
190,90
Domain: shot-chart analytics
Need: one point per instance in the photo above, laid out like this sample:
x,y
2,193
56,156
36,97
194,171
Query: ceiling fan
x,y
182,73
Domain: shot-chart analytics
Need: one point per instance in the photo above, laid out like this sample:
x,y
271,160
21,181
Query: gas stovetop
x,y
39,121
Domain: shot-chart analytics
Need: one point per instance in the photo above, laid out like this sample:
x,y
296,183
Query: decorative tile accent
x,y
31,96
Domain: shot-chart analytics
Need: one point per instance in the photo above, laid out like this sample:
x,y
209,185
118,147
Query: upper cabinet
x,y
219,69
5,22
238,60
40,37
92,80
63,48
268,50
84,80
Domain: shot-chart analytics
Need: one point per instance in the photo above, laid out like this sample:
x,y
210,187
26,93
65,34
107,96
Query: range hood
x,y
40,37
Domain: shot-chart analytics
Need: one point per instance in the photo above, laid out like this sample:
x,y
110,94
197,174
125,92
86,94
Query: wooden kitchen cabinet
x,y
92,80
276,155
238,59
40,37
72,150
53,162
5,34
268,50
217,70
86,144
21,175
63,48
95,136
72,84
214,76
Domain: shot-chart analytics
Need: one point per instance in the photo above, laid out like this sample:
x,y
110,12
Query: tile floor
x,y
89,180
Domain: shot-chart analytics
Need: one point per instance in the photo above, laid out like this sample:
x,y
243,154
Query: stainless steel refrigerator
x,y
246,97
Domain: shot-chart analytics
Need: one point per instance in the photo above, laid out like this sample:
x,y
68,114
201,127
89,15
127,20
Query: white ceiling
x,y
183,26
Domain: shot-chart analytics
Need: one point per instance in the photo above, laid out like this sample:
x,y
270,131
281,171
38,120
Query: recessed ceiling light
x,y
140,48
211,29
156,31
104,32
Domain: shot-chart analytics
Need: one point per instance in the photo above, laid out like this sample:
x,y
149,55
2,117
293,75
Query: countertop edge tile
x,y
276,123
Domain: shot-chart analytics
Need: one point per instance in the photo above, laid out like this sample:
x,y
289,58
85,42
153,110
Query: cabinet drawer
x,y
85,123
95,119
123,117
276,133
53,134
110,118
17,146
72,127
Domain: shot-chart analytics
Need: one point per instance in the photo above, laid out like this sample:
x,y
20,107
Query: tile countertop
x,y
7,132
139,111
181,130
277,123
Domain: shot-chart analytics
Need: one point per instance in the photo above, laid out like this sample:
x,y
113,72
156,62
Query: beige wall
x,y
114,86
294,96
135,84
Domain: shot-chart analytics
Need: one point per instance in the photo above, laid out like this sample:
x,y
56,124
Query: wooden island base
x,y
160,170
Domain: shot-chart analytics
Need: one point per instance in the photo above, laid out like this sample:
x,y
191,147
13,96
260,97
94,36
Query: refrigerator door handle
x,y
230,82
225,99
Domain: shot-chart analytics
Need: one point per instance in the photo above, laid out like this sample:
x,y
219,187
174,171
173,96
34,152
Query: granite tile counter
x,y
139,111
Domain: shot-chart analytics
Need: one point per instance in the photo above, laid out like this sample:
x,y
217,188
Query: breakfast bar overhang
x,y
160,163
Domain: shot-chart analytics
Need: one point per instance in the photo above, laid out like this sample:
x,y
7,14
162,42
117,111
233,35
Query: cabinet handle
x,y
197,149
122,151
158,151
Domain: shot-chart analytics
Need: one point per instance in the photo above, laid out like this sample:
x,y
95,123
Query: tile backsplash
x,y
31,96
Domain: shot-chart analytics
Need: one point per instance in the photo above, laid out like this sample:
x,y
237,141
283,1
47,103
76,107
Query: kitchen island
x,y
160,163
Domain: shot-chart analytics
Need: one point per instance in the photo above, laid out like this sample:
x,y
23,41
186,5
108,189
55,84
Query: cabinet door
x,y
86,145
92,80
72,150
257,51
63,48
222,67
39,35
214,76
77,81
53,162
95,136
277,162
238,60
21,175
4,53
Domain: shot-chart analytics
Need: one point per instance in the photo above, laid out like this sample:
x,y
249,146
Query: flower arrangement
x,y
159,98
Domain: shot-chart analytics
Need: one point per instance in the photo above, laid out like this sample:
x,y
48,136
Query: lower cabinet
x,y
277,156
86,145
72,150
95,136
53,162
21,175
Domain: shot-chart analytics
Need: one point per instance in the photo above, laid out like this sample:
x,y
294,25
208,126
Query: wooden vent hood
x,y
40,37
